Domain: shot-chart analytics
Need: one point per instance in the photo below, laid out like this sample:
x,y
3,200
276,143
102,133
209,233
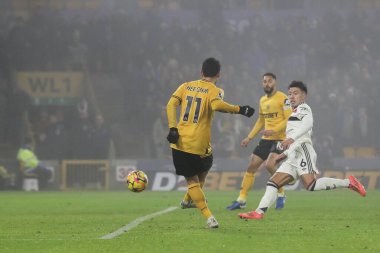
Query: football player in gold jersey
x,y
190,136
273,115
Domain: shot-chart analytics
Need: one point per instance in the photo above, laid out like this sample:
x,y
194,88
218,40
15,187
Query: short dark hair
x,y
271,75
298,84
210,67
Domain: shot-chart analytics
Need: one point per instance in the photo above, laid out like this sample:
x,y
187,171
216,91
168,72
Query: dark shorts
x,y
189,165
265,147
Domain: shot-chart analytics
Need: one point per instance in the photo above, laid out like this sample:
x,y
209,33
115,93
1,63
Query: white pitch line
x,y
136,222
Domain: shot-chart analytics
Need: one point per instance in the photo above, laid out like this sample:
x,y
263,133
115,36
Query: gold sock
x,y
246,185
281,191
197,195
187,197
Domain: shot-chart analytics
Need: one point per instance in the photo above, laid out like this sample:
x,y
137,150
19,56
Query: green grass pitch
x,y
326,221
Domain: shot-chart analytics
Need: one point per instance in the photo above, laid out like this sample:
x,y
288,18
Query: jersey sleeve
x,y
171,107
306,116
260,122
218,104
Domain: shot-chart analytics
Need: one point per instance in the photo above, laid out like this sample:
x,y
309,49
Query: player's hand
x,y
268,132
173,135
285,144
244,143
246,110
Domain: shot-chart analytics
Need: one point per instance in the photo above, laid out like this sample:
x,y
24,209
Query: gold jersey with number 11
x,y
197,100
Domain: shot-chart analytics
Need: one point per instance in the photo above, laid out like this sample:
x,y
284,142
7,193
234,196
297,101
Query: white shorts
x,y
300,160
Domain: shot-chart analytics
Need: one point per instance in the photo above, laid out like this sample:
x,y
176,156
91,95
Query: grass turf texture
x,y
334,221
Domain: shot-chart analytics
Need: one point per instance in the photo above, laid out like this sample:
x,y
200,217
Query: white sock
x,y
326,183
268,199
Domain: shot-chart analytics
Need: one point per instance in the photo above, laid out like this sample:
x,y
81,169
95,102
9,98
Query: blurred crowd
x,y
334,51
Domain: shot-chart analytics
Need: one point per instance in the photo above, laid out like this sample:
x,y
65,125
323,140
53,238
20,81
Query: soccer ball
x,y
136,181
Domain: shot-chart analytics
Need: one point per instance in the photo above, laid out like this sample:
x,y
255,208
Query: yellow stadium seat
x,y
349,152
365,152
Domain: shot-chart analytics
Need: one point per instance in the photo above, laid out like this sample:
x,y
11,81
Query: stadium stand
x,y
142,52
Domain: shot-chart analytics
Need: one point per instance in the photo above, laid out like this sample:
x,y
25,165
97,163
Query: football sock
x,y
197,195
326,183
269,197
246,185
281,192
187,197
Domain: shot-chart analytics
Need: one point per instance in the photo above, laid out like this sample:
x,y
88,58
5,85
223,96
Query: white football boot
x,y
212,223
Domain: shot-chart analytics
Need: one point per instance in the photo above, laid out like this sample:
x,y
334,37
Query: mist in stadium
x,y
84,88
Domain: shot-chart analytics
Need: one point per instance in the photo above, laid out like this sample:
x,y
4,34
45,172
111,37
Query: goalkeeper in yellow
x,y
273,115
190,136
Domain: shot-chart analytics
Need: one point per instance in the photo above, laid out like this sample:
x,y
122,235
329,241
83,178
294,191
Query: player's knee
x,y
270,167
252,167
273,184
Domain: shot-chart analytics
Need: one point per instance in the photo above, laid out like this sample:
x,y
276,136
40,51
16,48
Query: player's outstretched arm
x,y
220,105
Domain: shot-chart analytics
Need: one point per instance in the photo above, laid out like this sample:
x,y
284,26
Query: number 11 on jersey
x,y
190,100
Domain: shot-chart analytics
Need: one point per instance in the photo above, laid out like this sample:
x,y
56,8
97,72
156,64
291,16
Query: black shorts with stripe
x,y
189,165
265,147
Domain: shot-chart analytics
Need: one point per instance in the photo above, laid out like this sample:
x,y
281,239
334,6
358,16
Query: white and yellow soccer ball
x,y
136,181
